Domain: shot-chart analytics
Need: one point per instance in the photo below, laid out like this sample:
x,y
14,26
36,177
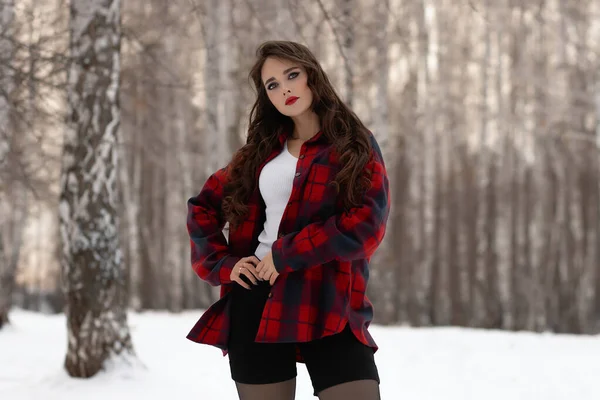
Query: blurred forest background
x,y
488,113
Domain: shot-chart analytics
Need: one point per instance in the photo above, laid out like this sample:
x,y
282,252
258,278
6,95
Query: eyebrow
x,y
284,72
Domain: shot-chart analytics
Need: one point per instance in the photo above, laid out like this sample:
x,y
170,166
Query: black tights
x,y
356,390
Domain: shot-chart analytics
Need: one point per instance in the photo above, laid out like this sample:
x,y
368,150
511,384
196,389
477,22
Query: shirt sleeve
x,y
209,249
347,236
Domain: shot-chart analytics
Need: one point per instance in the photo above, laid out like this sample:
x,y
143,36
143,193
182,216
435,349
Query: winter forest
x,y
114,112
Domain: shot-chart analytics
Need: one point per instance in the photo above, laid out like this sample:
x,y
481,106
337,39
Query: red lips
x,y
291,100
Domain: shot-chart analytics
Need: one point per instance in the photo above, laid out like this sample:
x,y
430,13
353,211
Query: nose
x,y
286,92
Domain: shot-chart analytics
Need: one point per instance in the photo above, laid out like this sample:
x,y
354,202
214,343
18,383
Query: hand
x,y
266,269
246,266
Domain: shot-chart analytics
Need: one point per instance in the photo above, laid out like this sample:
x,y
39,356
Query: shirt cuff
x,y
277,258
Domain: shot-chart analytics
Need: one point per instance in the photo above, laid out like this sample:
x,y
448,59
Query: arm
x,y
209,249
346,236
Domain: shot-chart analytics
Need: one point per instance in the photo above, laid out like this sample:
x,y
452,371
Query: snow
x,y
414,363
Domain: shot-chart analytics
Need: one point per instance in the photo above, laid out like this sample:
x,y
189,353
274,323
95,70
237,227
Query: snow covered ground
x,y
414,364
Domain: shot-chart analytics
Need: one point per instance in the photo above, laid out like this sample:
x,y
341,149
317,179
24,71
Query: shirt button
x,y
281,235
270,294
301,156
297,174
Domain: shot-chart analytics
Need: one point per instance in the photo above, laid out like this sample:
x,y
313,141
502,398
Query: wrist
x,y
276,258
227,267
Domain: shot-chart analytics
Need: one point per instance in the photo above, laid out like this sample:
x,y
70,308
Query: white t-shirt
x,y
275,183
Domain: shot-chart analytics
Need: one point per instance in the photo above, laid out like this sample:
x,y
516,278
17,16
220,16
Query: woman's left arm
x,y
347,236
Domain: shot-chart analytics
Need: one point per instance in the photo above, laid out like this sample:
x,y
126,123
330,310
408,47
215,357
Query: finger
x,y
249,275
252,270
242,283
251,259
254,260
268,274
263,274
273,278
260,266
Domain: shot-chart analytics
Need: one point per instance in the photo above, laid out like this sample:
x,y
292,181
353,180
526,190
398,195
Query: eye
x,y
273,85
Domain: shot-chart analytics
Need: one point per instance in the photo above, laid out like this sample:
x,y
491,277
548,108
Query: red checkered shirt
x,y
321,254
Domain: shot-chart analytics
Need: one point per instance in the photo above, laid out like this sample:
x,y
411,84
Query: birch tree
x,y
348,50
94,278
426,167
219,85
7,15
7,266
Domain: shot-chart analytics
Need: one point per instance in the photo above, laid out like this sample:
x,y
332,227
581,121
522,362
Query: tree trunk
x,y
7,269
426,129
347,39
7,15
94,277
597,204
130,173
7,279
217,80
481,184
220,107
381,110
384,278
539,219
493,218
173,227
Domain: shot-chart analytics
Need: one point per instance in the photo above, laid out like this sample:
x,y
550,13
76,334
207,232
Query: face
x,y
286,86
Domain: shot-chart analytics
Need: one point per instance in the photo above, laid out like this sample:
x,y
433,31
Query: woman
x,y
307,201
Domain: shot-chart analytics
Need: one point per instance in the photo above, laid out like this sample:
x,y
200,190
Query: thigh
x,y
251,362
338,359
285,390
366,389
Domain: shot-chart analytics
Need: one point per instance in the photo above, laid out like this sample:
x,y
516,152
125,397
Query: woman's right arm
x,y
210,252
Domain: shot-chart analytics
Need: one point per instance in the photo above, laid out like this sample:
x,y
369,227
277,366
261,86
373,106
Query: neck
x,y
306,125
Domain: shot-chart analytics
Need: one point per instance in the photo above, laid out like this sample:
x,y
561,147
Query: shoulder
x,y
216,182
376,152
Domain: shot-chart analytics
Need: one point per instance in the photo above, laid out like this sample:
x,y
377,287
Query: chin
x,y
292,114
294,111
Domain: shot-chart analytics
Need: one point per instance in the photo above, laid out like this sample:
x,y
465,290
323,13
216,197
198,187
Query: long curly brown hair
x,y
338,123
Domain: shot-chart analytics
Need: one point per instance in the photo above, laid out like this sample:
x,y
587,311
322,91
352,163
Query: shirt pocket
x,y
319,195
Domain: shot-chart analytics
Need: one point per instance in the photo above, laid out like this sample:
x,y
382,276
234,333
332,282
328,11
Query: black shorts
x,y
330,361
